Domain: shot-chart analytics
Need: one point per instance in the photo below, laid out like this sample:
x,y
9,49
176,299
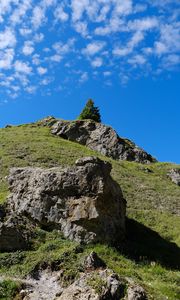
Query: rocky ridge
x,y
101,138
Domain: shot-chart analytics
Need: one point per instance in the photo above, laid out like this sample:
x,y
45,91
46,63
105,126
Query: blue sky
x,y
54,55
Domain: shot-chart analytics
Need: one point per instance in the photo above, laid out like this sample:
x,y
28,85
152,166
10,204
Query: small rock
x,y
174,174
93,261
136,293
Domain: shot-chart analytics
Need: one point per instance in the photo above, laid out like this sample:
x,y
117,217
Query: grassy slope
x,y
152,200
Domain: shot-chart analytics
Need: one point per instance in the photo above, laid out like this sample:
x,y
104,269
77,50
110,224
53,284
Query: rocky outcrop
x,y
174,174
83,201
101,138
96,285
102,284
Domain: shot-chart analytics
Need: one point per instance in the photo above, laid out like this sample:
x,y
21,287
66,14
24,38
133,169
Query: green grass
x,y
8,289
152,202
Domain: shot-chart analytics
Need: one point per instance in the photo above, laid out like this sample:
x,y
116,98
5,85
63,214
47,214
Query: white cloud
x,y
47,3
38,37
78,8
137,60
28,48
20,12
36,59
25,31
46,81
84,77
97,62
160,48
38,17
144,24
82,28
22,77
107,73
31,89
64,48
22,67
6,58
123,7
60,14
133,42
93,48
41,70
56,58
171,61
7,38
170,38
6,6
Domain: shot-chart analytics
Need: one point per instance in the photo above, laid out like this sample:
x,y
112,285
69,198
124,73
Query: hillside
x,y
150,255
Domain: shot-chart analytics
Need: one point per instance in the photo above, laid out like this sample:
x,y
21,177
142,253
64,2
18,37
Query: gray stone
x,y
83,201
174,174
93,261
101,138
136,292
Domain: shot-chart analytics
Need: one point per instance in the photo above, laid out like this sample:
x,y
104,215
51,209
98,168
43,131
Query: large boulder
x,y
101,138
82,201
174,174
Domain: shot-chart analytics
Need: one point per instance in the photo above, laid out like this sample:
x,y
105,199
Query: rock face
x,y
101,138
174,174
83,201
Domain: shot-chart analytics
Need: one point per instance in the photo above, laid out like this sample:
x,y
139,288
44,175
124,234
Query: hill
x,y
151,254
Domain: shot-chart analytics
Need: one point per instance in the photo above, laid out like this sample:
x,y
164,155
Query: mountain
x,y
149,256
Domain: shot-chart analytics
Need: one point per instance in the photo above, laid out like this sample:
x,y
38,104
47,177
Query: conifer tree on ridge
x,y
91,112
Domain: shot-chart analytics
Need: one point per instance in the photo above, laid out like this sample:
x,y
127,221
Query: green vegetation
x,y
97,283
8,289
151,255
90,112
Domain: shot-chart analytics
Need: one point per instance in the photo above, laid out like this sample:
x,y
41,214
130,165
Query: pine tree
x,y
90,112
